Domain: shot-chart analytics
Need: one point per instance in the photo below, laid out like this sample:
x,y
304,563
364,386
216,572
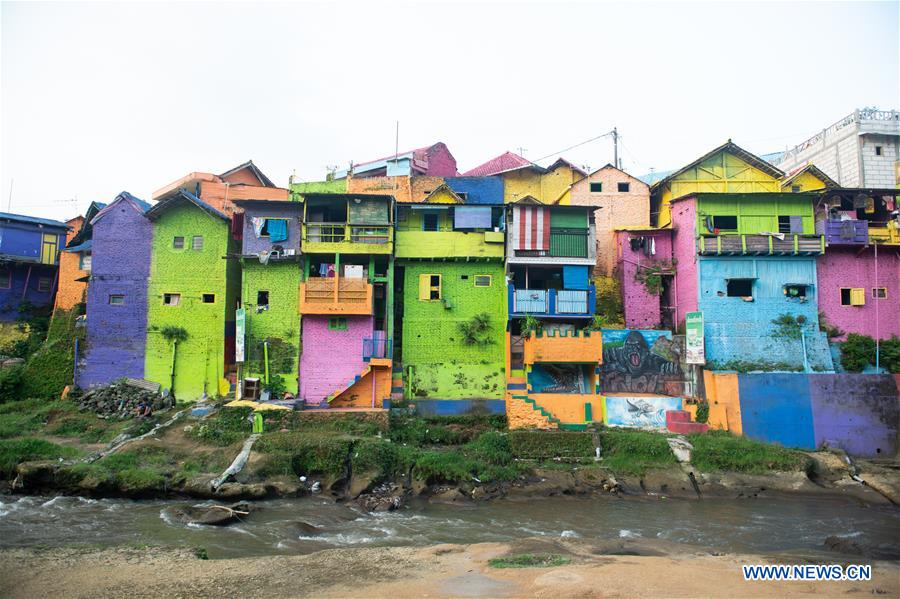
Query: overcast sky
x,y
99,98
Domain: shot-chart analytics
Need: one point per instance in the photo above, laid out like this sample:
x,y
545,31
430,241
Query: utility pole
x,y
615,136
9,202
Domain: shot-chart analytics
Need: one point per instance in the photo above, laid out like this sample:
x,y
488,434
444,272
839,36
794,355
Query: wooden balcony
x,y
760,245
578,347
347,238
844,232
337,296
887,235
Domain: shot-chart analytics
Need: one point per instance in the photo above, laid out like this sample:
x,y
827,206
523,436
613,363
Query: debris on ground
x,y
121,399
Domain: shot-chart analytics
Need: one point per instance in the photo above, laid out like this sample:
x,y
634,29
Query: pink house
x,y
332,354
641,251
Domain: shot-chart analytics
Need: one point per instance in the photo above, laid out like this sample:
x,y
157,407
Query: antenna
x,y
521,151
615,136
9,202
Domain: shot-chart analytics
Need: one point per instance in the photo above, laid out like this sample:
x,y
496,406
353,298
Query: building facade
x,y
29,263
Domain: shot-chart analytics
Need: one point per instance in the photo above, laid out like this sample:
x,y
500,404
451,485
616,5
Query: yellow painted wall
x,y
723,396
521,183
569,408
547,188
806,181
721,173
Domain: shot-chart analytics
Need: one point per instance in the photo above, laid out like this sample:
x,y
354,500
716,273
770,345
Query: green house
x,y
192,294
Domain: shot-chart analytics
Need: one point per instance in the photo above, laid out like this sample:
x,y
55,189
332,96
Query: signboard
x,y
693,338
240,324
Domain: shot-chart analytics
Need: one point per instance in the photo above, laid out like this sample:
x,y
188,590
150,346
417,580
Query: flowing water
x,y
292,526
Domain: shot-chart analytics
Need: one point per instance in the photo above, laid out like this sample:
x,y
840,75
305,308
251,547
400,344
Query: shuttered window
x,y
429,288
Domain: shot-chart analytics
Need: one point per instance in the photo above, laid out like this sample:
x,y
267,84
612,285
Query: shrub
x,y
546,445
10,384
309,453
857,352
722,451
527,560
15,451
635,452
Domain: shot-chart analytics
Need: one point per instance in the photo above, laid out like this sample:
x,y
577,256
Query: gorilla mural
x,y
631,364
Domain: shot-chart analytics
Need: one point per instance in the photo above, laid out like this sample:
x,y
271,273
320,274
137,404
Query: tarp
x,y
533,223
277,230
471,217
575,277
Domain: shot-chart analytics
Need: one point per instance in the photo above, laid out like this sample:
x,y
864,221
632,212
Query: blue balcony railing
x,y
377,348
552,302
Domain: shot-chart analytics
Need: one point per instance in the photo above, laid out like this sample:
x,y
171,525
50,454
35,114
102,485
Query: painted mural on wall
x,y
558,378
640,411
640,362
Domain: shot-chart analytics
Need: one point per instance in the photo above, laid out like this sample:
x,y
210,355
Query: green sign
x,y
693,338
240,324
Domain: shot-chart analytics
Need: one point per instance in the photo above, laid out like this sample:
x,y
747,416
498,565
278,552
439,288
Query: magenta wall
x,y
331,359
684,250
642,309
855,267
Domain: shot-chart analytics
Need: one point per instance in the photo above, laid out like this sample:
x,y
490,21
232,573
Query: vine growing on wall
x,y
476,331
788,327
651,276
531,325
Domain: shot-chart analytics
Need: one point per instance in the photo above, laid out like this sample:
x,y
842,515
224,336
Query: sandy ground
x,y
596,570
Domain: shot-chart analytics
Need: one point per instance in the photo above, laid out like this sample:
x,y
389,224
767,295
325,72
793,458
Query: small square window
x,y
429,287
337,324
483,280
84,262
784,224
795,290
853,296
623,187
5,279
878,150
171,299
197,242
43,284
795,189
116,300
262,298
739,287
464,277
430,221
725,223
209,298
597,187
879,292
178,243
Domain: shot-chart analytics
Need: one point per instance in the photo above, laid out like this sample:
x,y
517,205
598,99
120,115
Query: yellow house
x,y
523,178
807,178
726,169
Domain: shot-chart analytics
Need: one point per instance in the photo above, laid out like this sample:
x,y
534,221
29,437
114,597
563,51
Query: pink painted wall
x,y
441,162
684,250
331,359
642,310
849,267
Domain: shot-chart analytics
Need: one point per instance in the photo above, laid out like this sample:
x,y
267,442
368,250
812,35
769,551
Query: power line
x,y
578,145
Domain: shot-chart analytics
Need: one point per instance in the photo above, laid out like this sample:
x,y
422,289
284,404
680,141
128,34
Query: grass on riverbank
x,y
25,449
720,451
529,560
635,452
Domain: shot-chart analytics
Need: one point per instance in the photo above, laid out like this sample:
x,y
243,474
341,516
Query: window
x,y
116,300
784,224
853,296
5,279
209,298
725,223
596,187
795,290
429,288
483,280
197,242
879,292
739,287
264,232
430,221
878,150
623,187
171,299
84,262
44,284
262,298
178,243
795,189
337,324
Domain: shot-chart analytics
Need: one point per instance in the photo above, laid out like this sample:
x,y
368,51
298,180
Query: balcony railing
x,y
343,232
889,234
552,302
844,232
564,243
336,295
741,244
377,348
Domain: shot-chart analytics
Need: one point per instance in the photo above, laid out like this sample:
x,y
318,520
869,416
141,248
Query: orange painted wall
x,y
359,394
70,291
569,408
221,196
723,396
583,348
399,187
520,414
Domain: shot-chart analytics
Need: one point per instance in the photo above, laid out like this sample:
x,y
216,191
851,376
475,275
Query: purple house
x,y
117,294
29,260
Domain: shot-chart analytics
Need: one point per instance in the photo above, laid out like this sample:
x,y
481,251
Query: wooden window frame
x,y
598,184
431,288
194,247
203,297
854,295
623,184
875,293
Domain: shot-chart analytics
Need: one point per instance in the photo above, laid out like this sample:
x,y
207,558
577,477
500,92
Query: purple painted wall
x,y
253,244
855,267
331,359
684,251
642,309
441,162
857,413
116,334
13,296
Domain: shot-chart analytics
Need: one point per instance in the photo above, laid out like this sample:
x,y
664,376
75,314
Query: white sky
x,y
100,98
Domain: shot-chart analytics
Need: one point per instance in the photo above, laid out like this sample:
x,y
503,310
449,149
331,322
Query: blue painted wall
x,y
24,239
478,190
776,408
12,298
456,407
739,330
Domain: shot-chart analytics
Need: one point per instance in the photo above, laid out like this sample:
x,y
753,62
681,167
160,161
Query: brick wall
x,y
643,309
331,359
71,292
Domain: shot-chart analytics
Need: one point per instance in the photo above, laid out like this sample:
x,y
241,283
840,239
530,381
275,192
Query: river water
x,y
284,526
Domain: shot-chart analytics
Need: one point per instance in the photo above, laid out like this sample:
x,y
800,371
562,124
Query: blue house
x,y
29,260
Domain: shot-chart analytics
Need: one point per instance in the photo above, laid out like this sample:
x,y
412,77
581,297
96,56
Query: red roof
x,y
507,161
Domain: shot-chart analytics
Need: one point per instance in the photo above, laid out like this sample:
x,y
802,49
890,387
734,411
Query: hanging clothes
x,y
277,229
323,270
534,227
331,274
258,223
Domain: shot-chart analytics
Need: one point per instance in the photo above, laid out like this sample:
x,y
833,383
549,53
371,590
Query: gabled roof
x,y
140,205
505,162
179,198
813,170
32,220
731,148
563,162
418,157
529,199
254,169
84,233
446,188
610,165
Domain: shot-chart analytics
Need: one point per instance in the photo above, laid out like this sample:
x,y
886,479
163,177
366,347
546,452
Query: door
x,y
48,249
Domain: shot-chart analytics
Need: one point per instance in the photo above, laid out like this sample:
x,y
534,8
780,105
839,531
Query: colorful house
x,y
523,178
271,273
857,291
75,260
726,169
807,178
431,161
619,200
192,297
346,299
116,324
451,296
29,261
243,182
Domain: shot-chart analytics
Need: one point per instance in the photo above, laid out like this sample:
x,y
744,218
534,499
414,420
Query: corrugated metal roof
x,y
34,220
81,247
183,196
508,161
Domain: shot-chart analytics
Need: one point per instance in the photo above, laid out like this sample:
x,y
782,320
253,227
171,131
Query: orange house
x,y
75,260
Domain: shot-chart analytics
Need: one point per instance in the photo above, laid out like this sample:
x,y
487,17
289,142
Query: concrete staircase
x,y
517,391
679,421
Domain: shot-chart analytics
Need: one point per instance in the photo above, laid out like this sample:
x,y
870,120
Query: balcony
x,y
886,235
564,243
578,347
329,237
561,303
844,232
338,296
376,350
449,244
759,245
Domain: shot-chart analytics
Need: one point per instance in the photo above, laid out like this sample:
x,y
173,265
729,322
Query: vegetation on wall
x,y
831,331
477,330
788,326
610,309
651,276
52,366
858,351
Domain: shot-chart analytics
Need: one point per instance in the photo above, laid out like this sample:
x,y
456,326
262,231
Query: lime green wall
x,y
298,189
412,242
756,212
438,364
280,324
201,358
